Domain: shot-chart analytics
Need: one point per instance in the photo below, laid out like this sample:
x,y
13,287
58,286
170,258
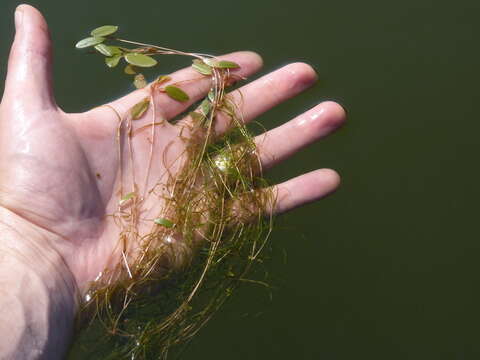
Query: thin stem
x,y
166,51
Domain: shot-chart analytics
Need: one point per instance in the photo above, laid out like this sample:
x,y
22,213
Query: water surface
x,y
388,267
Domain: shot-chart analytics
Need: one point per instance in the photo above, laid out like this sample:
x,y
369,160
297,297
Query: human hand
x,y
61,172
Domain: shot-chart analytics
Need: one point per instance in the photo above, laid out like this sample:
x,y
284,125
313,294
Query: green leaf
x,y
138,110
196,116
221,64
113,61
162,79
130,70
127,197
201,67
211,95
224,64
176,93
108,50
140,60
199,118
104,30
205,107
116,50
90,41
140,82
210,61
164,222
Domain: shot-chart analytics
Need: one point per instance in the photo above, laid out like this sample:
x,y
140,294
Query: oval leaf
x,y
105,49
196,116
90,41
115,50
138,110
108,50
164,222
140,82
104,30
199,118
210,61
162,79
224,64
140,60
221,64
130,70
201,67
176,93
113,61
205,107
211,95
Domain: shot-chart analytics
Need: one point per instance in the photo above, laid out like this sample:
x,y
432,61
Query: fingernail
x,y
18,18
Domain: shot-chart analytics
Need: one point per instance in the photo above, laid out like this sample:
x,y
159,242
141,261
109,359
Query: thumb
x,y
29,76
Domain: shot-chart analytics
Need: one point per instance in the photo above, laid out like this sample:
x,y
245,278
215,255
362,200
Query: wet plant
x,y
174,269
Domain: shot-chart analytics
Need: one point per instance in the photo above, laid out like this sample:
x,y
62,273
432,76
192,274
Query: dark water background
x,y
387,268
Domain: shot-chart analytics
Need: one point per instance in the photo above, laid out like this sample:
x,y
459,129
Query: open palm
x,y
62,172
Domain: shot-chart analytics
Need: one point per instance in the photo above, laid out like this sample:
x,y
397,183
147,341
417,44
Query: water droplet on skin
x,y
307,119
317,114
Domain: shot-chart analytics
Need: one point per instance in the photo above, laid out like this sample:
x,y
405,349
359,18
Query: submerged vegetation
x,y
212,226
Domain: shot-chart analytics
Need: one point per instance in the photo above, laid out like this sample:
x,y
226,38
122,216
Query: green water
x,y
388,267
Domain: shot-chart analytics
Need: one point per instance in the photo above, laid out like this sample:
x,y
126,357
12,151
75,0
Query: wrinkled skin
x,y
60,172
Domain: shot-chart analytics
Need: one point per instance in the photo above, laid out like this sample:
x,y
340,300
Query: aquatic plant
x,y
178,266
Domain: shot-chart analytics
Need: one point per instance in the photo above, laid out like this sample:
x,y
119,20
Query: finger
x,y
282,142
249,62
29,77
265,93
284,197
304,189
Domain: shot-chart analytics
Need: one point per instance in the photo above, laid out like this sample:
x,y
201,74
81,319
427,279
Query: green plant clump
x,y
210,232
